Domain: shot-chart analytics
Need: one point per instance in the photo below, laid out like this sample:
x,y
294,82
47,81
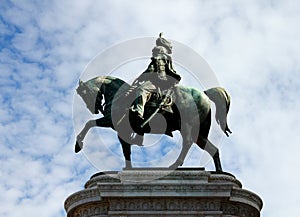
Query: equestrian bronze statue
x,y
185,109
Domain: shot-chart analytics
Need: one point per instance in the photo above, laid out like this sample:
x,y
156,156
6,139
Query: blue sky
x,y
252,46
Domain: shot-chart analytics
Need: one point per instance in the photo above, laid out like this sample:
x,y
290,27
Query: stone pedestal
x,y
159,192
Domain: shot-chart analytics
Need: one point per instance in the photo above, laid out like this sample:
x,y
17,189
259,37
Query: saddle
x,y
163,99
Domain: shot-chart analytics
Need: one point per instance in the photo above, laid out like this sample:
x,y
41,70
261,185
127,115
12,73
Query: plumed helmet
x,y
164,43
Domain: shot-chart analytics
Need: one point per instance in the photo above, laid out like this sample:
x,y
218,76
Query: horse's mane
x,y
99,80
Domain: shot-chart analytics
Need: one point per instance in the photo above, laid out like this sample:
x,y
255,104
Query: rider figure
x,y
159,76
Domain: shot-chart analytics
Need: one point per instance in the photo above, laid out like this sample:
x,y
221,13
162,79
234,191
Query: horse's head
x,y
91,97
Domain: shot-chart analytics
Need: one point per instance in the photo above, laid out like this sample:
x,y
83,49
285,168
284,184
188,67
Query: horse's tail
x,y
222,101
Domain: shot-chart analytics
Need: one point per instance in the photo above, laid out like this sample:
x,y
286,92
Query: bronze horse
x,y
191,115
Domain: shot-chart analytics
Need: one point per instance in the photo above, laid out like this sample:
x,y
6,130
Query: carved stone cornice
x,y
247,197
158,192
223,178
82,197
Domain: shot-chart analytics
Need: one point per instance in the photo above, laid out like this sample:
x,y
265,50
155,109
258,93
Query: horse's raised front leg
x,y
101,122
213,151
80,137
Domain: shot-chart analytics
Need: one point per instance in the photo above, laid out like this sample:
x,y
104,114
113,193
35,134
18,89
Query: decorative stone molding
x,y
82,197
161,192
222,178
92,209
247,197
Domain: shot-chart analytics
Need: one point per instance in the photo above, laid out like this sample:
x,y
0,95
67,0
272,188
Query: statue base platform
x,y
162,192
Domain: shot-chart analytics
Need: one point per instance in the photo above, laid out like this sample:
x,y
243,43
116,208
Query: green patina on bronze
x,y
190,113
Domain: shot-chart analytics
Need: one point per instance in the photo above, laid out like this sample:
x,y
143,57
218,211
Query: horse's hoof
x,y
77,147
219,171
128,165
173,166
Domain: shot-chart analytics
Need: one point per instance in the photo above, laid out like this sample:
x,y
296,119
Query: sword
x,y
158,108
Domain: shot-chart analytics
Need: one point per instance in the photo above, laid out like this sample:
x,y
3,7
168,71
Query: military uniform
x,y
159,76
